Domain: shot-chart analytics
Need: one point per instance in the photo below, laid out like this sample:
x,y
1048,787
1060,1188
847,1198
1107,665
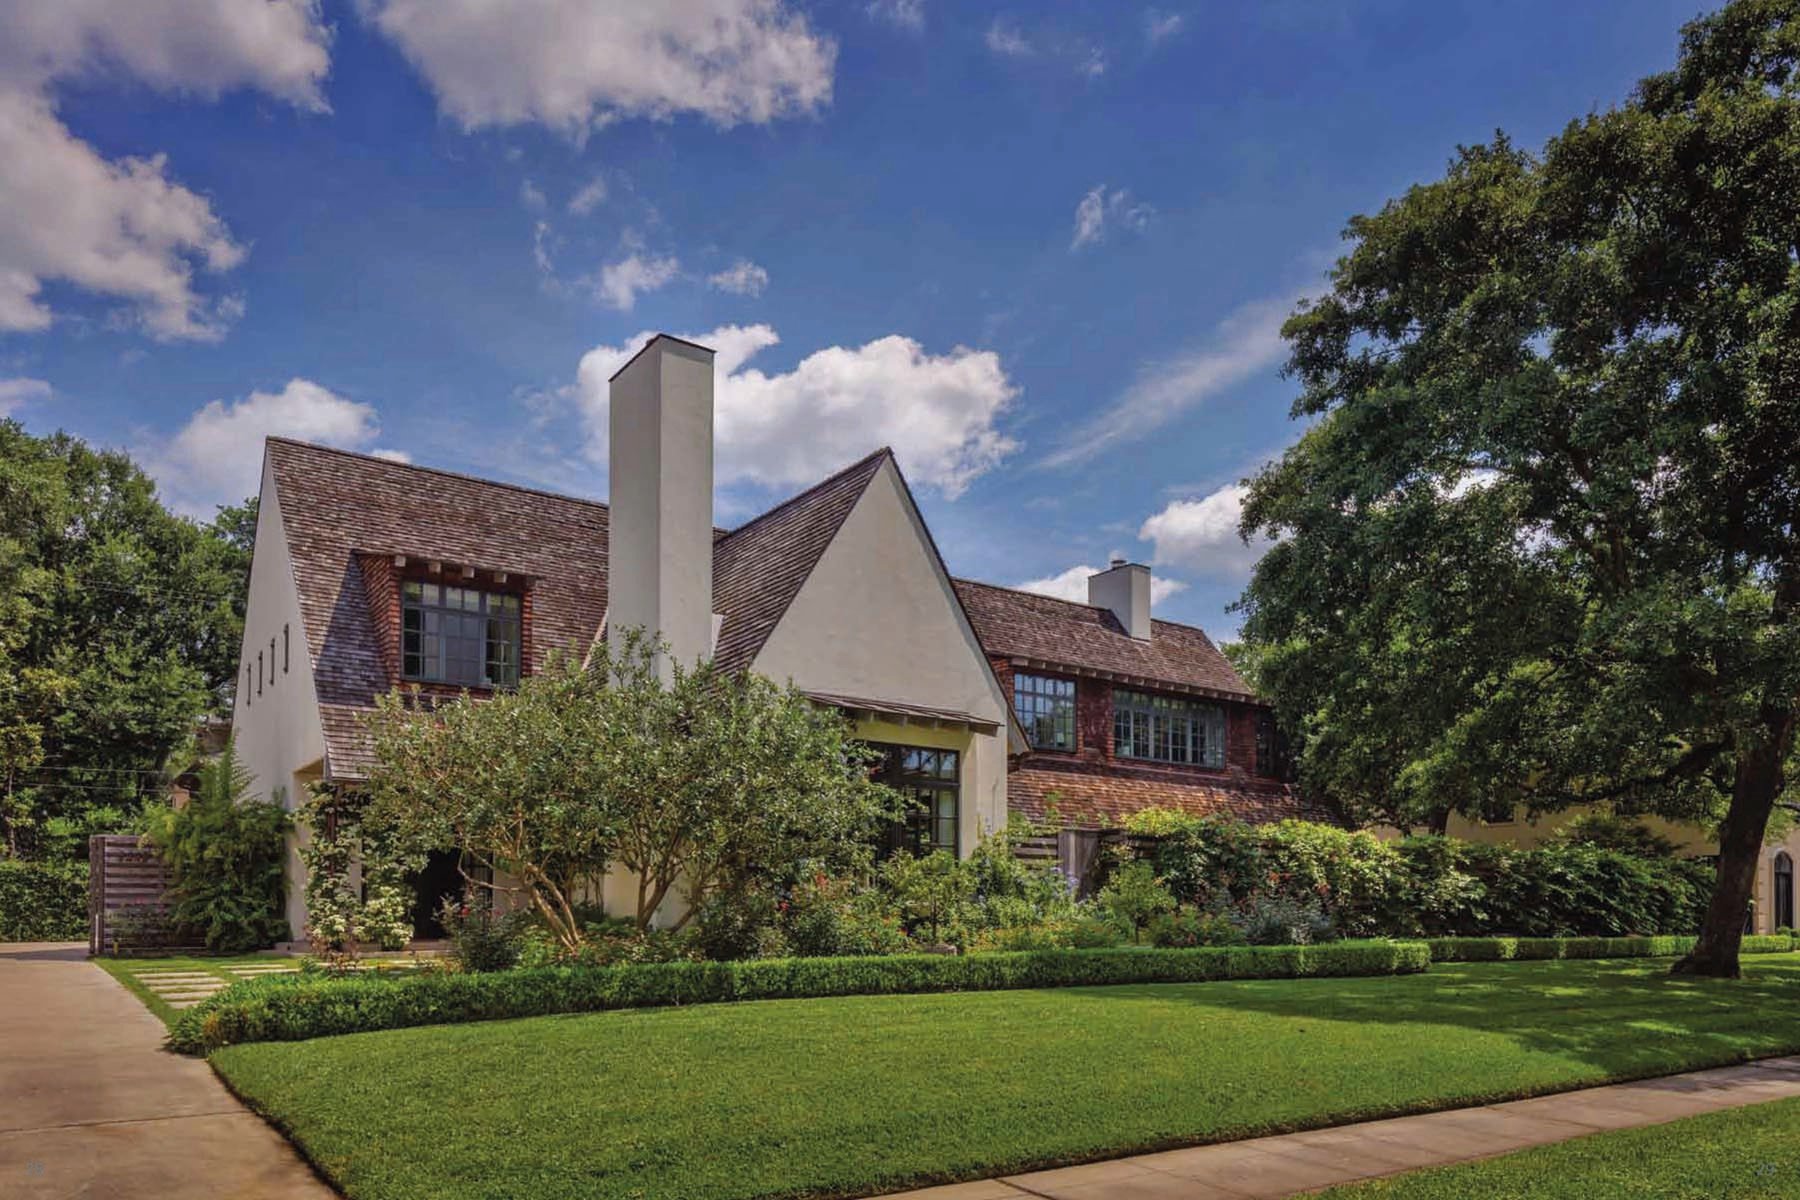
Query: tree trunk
x,y
1757,783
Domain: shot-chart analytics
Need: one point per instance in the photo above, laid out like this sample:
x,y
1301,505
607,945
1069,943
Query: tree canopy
x,y
1537,544
120,625
699,785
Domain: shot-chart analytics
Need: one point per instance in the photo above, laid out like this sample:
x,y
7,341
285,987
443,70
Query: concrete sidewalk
x,y
90,1106
1304,1162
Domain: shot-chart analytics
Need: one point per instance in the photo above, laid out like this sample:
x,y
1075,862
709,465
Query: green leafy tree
x,y
1538,544
119,627
1135,896
700,785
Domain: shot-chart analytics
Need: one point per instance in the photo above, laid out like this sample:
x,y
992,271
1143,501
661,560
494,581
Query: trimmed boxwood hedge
x,y
1502,949
296,1007
43,901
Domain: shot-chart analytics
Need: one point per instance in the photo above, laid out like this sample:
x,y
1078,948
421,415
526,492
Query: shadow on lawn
x,y
1623,1017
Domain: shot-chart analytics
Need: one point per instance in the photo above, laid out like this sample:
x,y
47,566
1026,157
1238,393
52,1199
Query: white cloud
x,y
1246,342
17,392
540,248
742,278
938,412
532,196
1159,25
906,14
589,197
1072,584
1102,209
574,65
122,228
620,282
216,458
201,47
1202,535
1004,38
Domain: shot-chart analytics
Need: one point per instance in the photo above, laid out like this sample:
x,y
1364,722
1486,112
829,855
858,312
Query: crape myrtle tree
x,y
701,784
1537,543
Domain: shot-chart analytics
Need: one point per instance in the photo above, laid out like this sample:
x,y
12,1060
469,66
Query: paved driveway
x,y
92,1107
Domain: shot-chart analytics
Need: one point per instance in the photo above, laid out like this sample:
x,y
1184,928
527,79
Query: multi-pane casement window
x,y
1046,709
1167,729
931,782
459,635
1268,747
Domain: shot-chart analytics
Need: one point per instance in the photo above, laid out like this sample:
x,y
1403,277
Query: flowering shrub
x,y
480,938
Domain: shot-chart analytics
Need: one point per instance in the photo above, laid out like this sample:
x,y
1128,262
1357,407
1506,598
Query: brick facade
x,y
1092,787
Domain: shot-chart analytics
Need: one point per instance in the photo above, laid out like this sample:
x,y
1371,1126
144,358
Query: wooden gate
x,y
127,901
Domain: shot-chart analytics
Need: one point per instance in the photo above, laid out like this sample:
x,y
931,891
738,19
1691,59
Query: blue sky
x,y
1042,249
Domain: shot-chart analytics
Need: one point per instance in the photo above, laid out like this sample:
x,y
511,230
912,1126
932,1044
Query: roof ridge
x,y
449,474
1019,591
835,476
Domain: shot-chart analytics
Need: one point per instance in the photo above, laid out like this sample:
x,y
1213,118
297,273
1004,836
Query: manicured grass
x,y
852,1095
1746,1153
129,970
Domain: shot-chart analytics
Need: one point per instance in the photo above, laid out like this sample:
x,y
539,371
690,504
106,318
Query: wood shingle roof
x,y
1046,631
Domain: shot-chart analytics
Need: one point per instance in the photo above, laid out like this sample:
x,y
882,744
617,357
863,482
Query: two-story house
x,y
370,574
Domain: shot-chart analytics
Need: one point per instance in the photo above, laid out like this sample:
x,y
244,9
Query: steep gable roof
x,y
758,568
1081,637
338,505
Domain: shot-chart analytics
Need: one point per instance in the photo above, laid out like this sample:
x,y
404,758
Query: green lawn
x,y
1746,1153
852,1095
129,971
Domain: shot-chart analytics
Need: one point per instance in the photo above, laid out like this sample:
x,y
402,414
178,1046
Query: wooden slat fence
x,y
127,897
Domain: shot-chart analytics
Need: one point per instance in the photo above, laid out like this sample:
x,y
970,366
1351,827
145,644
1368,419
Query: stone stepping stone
x,y
188,985
161,976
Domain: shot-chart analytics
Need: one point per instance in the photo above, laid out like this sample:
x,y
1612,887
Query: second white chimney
x,y
1124,588
660,474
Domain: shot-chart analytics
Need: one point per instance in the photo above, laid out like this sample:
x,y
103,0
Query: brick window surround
x,y
382,580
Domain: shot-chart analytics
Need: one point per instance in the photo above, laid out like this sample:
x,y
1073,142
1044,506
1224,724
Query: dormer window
x,y
1167,729
1046,709
459,635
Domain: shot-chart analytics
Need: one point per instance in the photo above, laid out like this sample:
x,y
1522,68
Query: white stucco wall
x,y
279,737
877,620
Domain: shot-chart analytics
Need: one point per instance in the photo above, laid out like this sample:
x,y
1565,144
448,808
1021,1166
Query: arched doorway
x,y
1784,890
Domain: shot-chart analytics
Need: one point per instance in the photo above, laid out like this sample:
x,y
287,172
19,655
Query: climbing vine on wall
x,y
356,891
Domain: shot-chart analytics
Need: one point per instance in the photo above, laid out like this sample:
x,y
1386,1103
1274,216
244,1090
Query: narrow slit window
x,y
284,649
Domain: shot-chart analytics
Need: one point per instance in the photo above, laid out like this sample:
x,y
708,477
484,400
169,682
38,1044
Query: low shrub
x,y
1189,928
1283,921
42,901
293,1008
480,938
1504,949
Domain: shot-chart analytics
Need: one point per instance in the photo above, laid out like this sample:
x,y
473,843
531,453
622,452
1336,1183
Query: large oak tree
x,y
1537,544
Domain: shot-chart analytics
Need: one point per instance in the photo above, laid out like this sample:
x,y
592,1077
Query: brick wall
x,y
1094,737
381,590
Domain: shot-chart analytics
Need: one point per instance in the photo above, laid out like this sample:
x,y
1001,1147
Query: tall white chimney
x,y
1124,587
660,465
